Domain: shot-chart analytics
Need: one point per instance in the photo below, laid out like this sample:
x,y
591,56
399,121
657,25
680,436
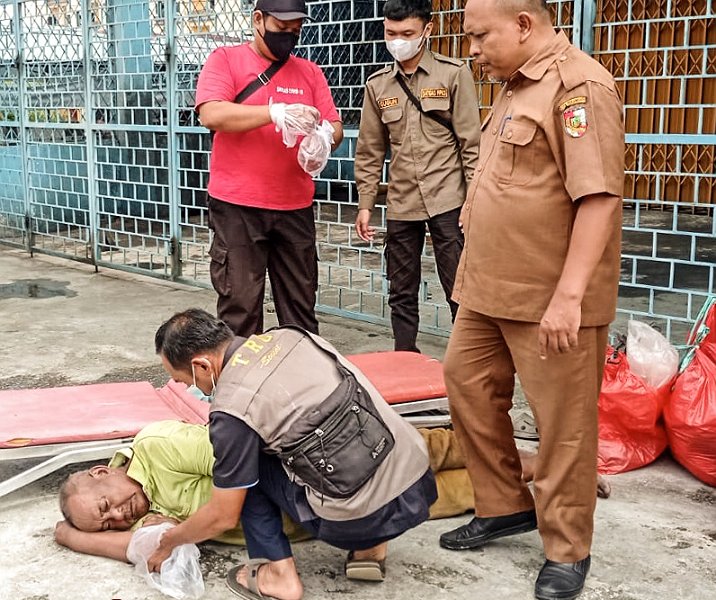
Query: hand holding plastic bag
x,y
180,576
315,149
650,355
293,120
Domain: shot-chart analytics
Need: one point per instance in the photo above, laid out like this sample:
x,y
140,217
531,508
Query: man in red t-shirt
x,y
260,198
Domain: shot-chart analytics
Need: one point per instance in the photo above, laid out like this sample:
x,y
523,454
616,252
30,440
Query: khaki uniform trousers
x,y
482,358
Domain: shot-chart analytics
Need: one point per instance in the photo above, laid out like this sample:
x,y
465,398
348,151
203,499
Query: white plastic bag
x,y
293,120
180,576
650,354
315,149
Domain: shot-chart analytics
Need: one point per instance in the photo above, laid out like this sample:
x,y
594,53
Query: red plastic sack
x,y
690,414
710,322
630,431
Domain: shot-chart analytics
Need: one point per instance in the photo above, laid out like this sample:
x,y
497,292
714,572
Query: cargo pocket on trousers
x,y
219,269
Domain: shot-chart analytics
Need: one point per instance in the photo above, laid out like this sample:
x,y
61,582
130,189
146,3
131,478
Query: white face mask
x,y
402,50
199,395
195,391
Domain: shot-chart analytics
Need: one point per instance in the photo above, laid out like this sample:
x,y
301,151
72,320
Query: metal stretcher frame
x,y
91,422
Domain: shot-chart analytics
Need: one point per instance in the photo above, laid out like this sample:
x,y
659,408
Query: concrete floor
x,y
61,323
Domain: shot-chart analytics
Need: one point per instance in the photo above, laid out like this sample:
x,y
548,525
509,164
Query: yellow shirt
x,y
173,461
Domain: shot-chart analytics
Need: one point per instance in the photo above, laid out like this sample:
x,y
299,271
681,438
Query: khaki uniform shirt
x,y
429,166
555,135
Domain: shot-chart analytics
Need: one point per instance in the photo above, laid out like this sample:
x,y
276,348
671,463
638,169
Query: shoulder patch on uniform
x,y
447,59
381,71
433,93
384,103
574,114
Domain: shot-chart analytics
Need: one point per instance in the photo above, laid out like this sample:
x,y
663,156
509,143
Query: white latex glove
x,y
315,149
293,120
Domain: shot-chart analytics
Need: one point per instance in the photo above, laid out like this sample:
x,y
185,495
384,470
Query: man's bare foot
x,y
378,552
529,464
604,490
278,579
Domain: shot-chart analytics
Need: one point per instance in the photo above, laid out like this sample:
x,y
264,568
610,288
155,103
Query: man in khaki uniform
x,y
433,149
537,285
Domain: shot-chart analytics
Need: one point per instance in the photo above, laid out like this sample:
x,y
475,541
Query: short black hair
x,y
188,333
399,10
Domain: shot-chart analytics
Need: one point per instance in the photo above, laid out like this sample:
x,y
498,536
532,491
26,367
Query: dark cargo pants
x,y
403,249
248,242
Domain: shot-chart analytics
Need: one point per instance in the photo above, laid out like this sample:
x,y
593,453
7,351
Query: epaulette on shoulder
x,y
572,71
447,59
576,68
381,71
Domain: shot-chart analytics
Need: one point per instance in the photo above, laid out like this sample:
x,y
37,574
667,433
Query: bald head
x,y
505,34
68,489
102,498
537,7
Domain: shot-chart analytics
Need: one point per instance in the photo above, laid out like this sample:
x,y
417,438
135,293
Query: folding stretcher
x,y
90,422
83,423
411,383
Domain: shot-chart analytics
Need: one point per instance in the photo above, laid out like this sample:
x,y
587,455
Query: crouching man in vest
x,y
294,427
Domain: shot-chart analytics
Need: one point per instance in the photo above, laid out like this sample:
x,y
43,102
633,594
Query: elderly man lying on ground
x,y
166,474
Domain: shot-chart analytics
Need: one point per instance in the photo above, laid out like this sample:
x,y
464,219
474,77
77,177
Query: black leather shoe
x,y
481,530
561,581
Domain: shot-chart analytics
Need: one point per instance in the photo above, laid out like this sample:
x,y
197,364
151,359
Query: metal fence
x,y
102,158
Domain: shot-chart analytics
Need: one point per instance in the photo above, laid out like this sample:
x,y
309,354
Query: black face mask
x,y
280,43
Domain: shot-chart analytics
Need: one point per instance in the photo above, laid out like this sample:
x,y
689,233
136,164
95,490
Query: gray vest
x,y
277,378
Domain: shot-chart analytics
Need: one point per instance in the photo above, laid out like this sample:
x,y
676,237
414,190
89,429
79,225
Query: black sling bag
x,y
437,118
338,446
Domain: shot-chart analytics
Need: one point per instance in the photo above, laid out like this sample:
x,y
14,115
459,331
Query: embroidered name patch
x,y
433,93
384,103
572,102
574,113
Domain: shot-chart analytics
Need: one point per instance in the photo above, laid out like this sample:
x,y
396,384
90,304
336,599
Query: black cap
x,y
284,10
